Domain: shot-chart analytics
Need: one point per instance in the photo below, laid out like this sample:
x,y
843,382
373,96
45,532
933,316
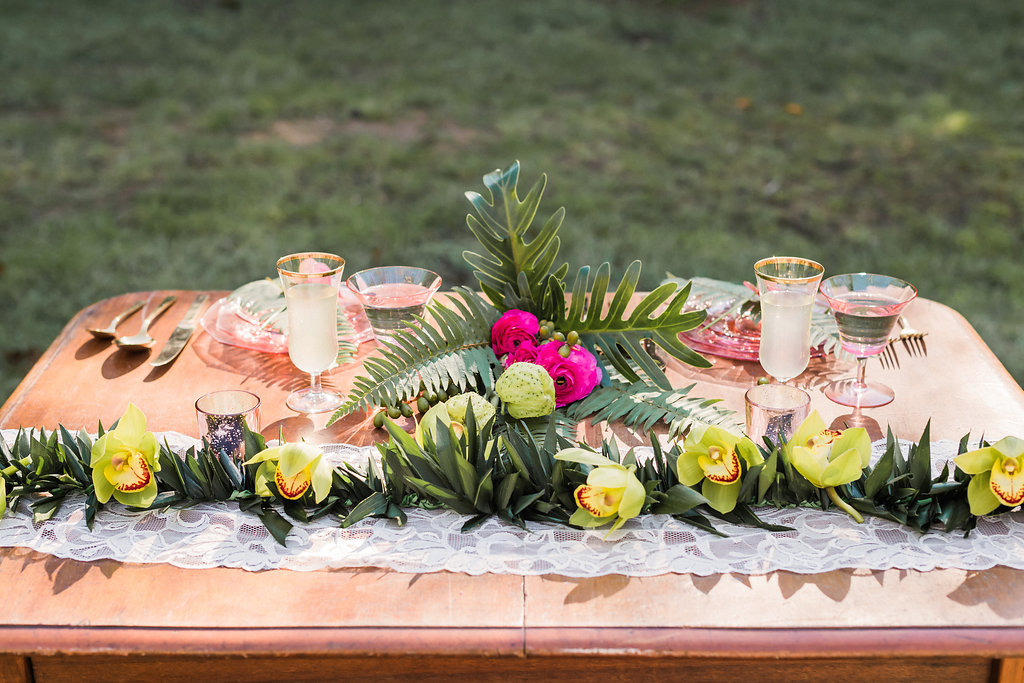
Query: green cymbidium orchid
x,y
828,457
123,461
294,467
612,492
997,475
713,455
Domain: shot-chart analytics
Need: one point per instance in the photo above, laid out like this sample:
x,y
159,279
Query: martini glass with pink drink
x,y
393,296
866,307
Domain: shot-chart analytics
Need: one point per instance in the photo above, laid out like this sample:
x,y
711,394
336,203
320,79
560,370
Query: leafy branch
x,y
456,348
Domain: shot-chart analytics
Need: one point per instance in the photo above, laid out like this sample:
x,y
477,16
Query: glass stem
x,y
314,383
862,365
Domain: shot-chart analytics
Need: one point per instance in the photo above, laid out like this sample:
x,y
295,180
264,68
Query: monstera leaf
x,y
619,336
517,269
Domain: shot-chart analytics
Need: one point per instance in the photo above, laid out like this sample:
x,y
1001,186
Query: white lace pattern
x,y
219,535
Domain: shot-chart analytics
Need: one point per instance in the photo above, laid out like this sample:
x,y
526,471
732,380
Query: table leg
x,y
15,669
1011,671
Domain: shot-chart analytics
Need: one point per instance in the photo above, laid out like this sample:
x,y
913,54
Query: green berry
x,y
763,380
394,412
572,338
378,419
422,404
558,336
432,398
564,350
406,410
442,396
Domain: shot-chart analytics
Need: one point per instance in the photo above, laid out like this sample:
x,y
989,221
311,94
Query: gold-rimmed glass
x,y
310,281
787,286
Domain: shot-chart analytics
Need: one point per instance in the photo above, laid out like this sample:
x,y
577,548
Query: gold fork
x,y
913,340
889,359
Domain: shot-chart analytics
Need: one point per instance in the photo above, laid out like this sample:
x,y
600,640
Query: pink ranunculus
x,y
512,329
575,377
526,352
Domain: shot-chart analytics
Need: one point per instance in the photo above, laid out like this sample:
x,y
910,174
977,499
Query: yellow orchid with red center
x,y
828,457
716,456
612,492
124,461
294,468
998,475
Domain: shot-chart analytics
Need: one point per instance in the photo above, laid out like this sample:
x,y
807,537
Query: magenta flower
x,y
575,377
526,352
512,329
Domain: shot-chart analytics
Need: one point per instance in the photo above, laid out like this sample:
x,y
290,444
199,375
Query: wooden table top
x,y
74,607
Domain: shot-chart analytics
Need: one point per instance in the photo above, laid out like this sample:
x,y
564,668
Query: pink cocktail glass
x,y
866,307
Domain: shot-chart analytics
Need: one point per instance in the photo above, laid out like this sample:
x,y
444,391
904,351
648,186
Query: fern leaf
x,y
641,407
515,270
455,349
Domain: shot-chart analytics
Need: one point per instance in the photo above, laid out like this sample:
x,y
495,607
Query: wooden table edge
x,y
539,642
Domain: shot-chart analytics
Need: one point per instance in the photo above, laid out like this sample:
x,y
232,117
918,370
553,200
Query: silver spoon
x,y
110,331
142,340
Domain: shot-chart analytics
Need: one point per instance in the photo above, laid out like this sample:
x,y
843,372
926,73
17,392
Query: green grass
x,y
188,145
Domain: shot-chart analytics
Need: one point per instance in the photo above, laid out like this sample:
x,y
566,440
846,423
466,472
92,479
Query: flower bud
x,y
527,390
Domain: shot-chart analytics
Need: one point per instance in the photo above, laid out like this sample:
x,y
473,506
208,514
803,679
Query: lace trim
x,y
219,535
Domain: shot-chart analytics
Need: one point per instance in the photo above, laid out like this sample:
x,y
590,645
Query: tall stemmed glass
x,y
866,307
310,281
787,286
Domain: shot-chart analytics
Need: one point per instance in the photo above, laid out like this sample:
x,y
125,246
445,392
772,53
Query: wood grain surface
x,y
73,616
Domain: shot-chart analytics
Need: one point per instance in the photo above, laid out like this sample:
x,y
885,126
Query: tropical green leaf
x,y
640,406
619,336
455,349
517,269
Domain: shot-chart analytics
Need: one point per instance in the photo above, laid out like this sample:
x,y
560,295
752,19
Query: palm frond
x,y
515,272
641,407
454,349
619,336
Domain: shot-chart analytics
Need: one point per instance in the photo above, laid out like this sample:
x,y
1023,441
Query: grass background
x,y
188,144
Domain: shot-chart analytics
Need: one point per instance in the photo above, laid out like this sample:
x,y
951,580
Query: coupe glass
x,y
310,281
393,296
866,307
787,286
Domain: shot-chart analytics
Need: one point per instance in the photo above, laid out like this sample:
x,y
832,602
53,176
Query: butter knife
x,y
181,334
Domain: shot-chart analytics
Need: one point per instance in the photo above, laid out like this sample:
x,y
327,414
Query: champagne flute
x,y
310,281
787,286
866,307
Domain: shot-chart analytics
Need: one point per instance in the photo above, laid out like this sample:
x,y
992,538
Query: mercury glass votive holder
x,y
222,415
775,411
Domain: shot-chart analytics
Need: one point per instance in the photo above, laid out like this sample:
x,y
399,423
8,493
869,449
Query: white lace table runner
x,y
219,535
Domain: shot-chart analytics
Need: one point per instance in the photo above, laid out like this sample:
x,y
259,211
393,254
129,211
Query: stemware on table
x,y
311,282
787,286
866,307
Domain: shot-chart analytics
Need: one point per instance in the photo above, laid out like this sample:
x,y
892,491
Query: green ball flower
x,y
527,390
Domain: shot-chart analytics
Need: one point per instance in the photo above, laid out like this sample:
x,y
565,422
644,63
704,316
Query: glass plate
x,y
736,335
253,317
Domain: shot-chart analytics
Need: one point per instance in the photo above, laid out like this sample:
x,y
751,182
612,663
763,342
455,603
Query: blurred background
x,y
188,144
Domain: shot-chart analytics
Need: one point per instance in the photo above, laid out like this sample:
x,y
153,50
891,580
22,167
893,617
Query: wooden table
x,y
63,619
